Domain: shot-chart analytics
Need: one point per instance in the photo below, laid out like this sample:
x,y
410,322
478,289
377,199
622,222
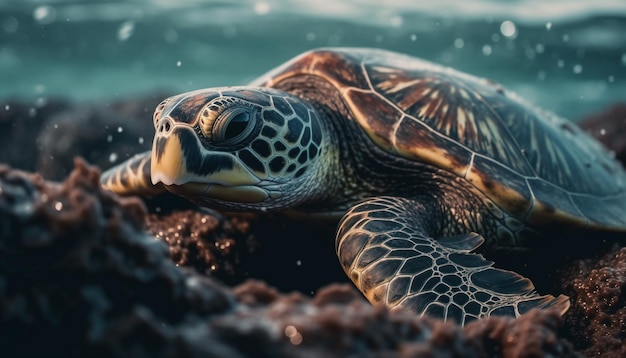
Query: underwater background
x,y
568,56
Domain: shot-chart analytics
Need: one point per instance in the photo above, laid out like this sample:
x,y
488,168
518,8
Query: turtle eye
x,y
233,125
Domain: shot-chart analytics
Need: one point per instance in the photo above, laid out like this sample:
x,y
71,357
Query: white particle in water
x,y
140,140
125,31
299,263
179,63
397,21
602,131
540,48
170,36
565,37
495,37
120,129
7,107
56,126
310,36
611,79
548,25
508,29
413,37
45,14
624,59
58,206
109,138
113,157
41,101
459,43
560,63
32,112
577,68
10,25
261,8
487,50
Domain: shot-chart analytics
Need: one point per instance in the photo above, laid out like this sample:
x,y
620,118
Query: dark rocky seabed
x,y
81,273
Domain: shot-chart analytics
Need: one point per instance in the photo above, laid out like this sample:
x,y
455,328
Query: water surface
x,y
565,55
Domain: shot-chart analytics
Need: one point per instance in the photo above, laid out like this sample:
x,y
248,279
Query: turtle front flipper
x,y
386,247
131,177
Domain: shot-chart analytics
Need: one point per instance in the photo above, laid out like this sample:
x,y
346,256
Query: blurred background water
x,y
565,55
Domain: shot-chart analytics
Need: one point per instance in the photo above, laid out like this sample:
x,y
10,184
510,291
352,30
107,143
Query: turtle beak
x,y
185,167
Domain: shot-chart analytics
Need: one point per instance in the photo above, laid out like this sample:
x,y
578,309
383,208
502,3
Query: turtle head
x,y
237,148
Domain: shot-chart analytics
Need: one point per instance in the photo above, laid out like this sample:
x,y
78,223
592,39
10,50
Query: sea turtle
x,y
427,167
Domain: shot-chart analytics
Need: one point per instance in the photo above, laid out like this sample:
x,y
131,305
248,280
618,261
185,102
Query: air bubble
x,y
508,29
261,8
10,25
125,30
540,48
45,14
170,36
397,21
487,50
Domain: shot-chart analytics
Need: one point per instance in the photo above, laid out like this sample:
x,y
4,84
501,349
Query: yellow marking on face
x,y
239,194
238,175
171,167
236,194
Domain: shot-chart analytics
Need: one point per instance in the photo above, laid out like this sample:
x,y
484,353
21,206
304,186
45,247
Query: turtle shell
x,y
532,164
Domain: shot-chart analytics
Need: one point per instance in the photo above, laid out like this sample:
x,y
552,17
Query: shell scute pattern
x,y
476,129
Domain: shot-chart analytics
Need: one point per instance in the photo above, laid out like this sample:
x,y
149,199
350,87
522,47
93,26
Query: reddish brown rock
x,y
75,260
597,318
81,278
208,242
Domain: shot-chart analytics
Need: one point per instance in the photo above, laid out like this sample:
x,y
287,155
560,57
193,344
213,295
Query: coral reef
x,y
86,273
81,278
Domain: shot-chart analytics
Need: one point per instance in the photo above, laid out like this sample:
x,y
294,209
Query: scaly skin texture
x,y
427,167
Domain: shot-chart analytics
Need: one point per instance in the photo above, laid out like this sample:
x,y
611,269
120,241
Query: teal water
x,y
568,56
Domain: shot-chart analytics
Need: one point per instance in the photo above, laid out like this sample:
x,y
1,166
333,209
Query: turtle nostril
x,y
164,126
